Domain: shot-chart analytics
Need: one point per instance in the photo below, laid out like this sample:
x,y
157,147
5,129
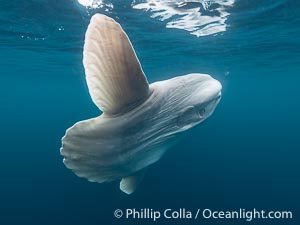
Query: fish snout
x,y
215,88
210,91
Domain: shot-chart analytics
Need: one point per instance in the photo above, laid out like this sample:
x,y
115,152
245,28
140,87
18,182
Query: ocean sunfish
x,y
139,121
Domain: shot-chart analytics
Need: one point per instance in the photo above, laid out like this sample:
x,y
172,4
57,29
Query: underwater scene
x,y
200,103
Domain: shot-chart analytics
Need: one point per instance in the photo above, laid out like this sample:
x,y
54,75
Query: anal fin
x,y
129,184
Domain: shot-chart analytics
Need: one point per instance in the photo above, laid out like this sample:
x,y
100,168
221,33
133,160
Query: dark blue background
x,y
245,156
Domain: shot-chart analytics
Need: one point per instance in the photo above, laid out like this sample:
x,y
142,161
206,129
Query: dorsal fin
x,y
113,72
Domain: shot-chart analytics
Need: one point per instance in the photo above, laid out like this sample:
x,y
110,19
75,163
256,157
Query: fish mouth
x,y
218,96
209,106
215,98
215,101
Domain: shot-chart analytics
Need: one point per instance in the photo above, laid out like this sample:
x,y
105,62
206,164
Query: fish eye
x,y
202,112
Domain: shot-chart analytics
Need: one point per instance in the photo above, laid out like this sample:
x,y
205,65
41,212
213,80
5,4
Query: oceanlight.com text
x,y
248,215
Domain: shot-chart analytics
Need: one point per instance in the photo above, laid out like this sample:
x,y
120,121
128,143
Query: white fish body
x,y
139,121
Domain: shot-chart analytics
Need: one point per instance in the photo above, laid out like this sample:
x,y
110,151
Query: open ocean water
x,y
245,156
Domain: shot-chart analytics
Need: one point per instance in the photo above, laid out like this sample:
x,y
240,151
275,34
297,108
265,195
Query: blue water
x,y
247,155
